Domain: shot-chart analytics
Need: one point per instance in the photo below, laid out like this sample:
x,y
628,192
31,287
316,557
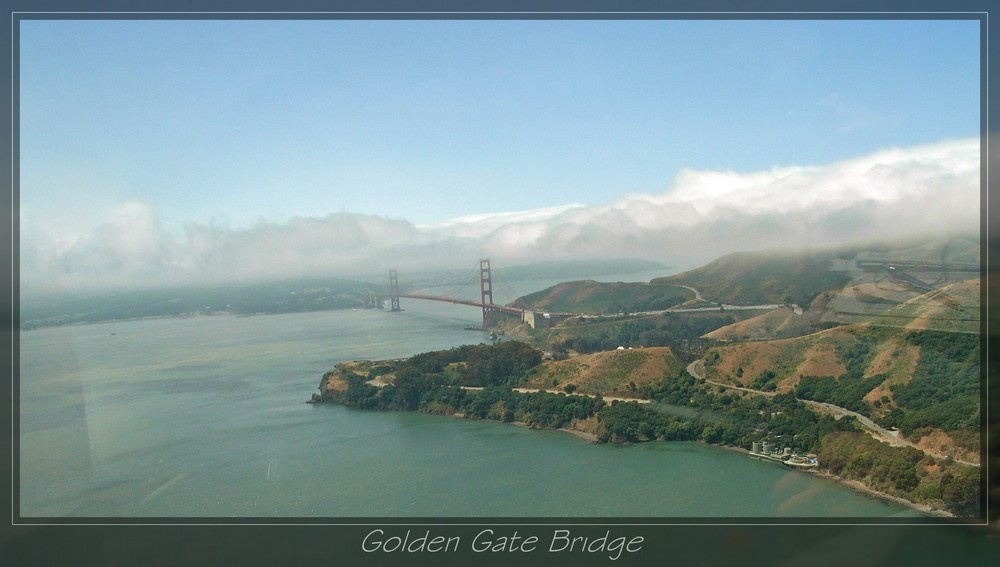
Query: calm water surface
x,y
206,417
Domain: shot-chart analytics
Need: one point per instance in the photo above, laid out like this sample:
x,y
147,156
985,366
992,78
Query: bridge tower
x,y
485,286
393,291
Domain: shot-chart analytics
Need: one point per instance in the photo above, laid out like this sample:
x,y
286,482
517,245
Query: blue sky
x,y
230,126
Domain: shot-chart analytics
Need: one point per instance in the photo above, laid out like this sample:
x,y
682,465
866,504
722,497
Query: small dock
x,y
769,452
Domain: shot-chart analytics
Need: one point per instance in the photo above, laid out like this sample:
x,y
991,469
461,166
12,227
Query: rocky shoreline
x,y
861,487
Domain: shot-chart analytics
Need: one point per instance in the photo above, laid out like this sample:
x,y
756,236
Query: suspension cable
x,y
506,290
464,283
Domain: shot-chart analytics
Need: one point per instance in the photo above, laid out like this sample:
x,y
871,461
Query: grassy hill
x,y
953,307
747,278
611,373
597,298
926,383
779,323
677,330
741,278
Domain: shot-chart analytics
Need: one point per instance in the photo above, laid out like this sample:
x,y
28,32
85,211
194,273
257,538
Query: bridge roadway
x,y
520,312
469,302
480,304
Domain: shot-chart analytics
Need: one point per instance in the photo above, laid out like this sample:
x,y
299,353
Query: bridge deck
x,y
474,303
469,302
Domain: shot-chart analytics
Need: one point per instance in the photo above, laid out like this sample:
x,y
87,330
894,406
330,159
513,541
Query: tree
x,y
961,492
409,389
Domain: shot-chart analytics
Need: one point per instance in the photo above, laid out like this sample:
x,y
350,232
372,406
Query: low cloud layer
x,y
930,191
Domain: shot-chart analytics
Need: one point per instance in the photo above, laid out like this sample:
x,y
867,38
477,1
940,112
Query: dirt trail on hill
x,y
608,399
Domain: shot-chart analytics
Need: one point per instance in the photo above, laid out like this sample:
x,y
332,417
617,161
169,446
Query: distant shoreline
x,y
178,316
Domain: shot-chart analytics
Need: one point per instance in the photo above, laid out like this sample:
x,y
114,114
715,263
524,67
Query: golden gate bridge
x,y
532,318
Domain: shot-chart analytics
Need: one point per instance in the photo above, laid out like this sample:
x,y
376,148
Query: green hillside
x,y
681,331
603,298
608,373
926,383
747,278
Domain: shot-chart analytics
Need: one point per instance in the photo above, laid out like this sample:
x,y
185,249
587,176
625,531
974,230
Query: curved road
x,y
697,294
882,434
726,306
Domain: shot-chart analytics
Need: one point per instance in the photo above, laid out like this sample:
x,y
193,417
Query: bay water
x,y
206,417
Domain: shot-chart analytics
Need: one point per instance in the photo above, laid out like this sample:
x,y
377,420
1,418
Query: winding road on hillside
x,y
697,367
717,307
697,294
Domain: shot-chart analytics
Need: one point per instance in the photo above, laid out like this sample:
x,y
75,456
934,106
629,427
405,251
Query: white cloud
x,y
932,189
473,226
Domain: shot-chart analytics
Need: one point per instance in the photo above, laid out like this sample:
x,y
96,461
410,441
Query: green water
x,y
205,417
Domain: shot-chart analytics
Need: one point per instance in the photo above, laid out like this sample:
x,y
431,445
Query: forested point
x,y
477,381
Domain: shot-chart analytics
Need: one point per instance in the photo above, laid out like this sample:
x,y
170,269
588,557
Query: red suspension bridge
x,y
485,300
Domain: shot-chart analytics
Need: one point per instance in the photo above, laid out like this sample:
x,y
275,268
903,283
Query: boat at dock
x,y
768,452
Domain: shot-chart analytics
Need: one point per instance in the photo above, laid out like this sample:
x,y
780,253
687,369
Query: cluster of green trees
x,y
433,394
631,422
719,417
944,391
435,382
848,390
903,471
767,381
858,456
474,365
537,409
